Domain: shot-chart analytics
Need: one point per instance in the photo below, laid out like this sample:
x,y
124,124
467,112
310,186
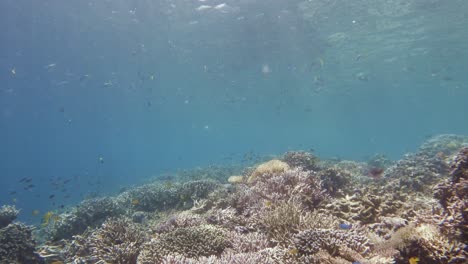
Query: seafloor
x,y
295,208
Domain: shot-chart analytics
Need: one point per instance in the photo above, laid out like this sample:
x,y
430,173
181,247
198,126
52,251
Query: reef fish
x,y
345,226
413,260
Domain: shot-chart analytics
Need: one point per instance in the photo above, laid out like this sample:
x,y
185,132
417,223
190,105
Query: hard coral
x,y
337,243
271,167
116,241
17,245
302,159
453,197
89,213
7,215
191,242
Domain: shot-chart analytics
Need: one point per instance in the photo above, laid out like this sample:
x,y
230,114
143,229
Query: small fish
x,y
152,77
12,192
52,196
203,7
220,6
413,260
322,62
101,159
135,202
13,71
345,226
35,212
28,180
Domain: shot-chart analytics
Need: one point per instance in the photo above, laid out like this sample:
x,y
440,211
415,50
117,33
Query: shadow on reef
x,y
291,209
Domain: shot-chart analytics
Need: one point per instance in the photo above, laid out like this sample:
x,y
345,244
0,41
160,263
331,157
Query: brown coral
x,y
270,167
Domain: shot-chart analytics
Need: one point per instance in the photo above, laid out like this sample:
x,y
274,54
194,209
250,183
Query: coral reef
x,y
190,242
291,211
453,197
302,159
268,168
8,214
89,213
17,245
346,245
116,241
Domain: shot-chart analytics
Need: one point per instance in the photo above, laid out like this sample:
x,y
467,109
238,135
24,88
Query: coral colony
x,y
291,209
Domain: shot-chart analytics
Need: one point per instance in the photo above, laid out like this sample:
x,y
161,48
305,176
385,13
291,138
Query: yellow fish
x,y
46,218
35,212
135,202
413,260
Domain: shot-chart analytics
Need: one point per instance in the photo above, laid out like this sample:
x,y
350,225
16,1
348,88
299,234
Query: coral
x,y
116,241
453,197
154,197
7,215
293,184
346,245
190,242
363,208
445,144
268,168
302,159
284,220
89,213
236,179
417,171
335,181
181,220
17,245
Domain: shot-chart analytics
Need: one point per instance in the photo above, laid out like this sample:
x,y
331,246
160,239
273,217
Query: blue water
x,y
110,93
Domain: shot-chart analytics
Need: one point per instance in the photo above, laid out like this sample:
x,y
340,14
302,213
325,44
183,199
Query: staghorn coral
x,y
453,197
294,184
17,245
347,245
190,242
268,168
8,214
180,220
337,243
284,220
116,241
302,159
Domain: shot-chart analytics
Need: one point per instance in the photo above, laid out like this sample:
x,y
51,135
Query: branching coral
x,y
453,197
346,245
117,241
302,159
284,220
90,213
7,215
417,171
17,245
335,181
190,242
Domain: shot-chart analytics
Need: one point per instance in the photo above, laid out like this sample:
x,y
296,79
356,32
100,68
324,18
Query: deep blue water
x,y
154,86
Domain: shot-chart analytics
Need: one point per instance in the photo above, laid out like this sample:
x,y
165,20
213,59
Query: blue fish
x,y
345,226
